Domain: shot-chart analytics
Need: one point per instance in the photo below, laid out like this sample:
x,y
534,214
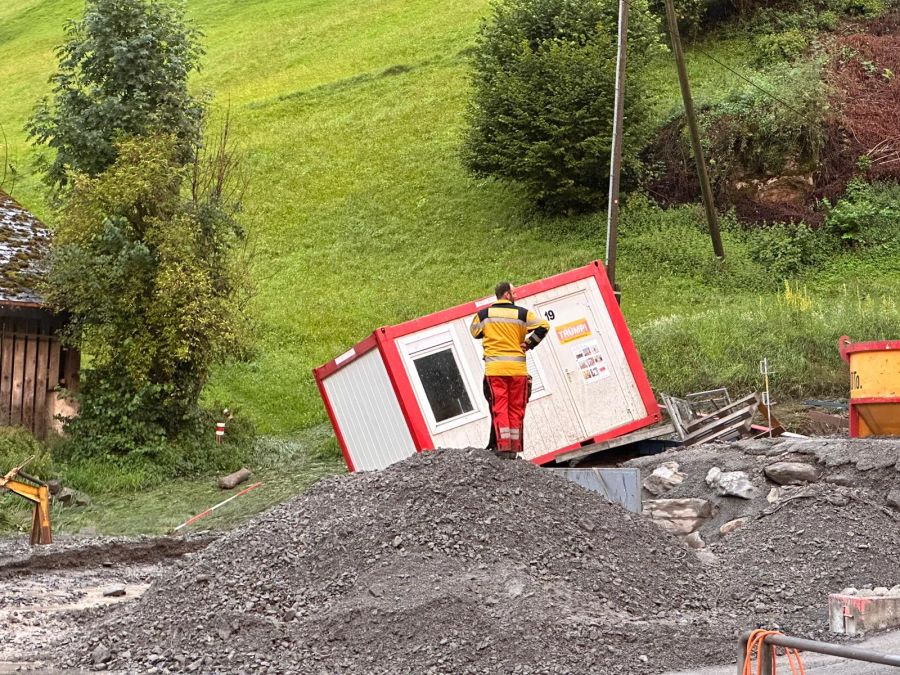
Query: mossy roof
x,y
24,246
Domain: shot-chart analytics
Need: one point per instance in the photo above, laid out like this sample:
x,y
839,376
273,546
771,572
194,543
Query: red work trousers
x,y
509,394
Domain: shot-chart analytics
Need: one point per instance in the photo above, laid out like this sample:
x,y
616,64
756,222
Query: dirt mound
x,y
781,567
863,75
452,561
868,465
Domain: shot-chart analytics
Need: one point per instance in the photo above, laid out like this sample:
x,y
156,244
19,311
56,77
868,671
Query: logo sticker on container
x,y
574,330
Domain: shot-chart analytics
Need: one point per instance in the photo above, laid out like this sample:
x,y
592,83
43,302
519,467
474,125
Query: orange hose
x,y
756,645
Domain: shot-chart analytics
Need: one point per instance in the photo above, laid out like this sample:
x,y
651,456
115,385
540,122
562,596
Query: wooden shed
x,y
418,385
34,367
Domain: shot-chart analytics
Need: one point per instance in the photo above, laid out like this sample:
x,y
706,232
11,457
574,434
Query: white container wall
x,y
418,385
366,409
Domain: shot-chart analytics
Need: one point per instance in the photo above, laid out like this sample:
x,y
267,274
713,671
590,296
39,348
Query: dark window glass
x,y
443,385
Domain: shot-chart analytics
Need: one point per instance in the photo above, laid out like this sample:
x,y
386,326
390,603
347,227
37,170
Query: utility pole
x,y
711,216
615,162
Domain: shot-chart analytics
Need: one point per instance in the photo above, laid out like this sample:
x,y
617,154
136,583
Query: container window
x,y
443,384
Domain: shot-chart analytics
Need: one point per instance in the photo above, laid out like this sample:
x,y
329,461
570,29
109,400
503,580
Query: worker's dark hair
x,y
502,289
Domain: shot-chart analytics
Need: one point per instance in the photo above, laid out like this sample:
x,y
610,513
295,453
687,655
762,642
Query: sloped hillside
x,y
360,213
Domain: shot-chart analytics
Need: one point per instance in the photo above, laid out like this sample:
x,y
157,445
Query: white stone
x,y
792,473
678,516
731,483
733,525
664,477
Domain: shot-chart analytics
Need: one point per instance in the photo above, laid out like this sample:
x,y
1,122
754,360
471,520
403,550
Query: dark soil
x,y
17,559
864,75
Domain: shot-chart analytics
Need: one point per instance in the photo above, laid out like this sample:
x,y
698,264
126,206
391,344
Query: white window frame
x,y
544,390
426,343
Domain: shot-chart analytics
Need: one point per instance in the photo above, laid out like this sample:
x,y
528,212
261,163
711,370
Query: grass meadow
x,y
361,215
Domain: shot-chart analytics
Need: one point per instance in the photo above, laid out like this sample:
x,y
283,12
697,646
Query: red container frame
x,y
384,340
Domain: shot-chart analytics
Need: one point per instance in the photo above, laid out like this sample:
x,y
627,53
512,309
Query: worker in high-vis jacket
x,y
507,332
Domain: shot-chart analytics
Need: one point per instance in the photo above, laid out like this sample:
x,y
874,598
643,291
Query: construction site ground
x,y
457,562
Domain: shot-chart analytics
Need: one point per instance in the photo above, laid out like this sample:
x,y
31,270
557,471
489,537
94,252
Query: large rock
x,y
694,540
69,497
664,477
731,483
733,525
792,473
893,498
679,516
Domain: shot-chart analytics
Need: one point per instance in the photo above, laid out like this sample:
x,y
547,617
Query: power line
x,y
749,81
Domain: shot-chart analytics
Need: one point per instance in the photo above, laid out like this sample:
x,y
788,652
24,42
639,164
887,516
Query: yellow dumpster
x,y
874,386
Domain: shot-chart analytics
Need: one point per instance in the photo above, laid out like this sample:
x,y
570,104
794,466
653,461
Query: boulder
x,y
733,525
893,498
792,473
694,541
731,483
664,477
679,516
54,486
100,654
69,497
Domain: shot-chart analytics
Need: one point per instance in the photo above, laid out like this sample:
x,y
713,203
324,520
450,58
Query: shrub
x,y
154,284
750,134
786,249
541,110
17,445
775,47
866,215
123,71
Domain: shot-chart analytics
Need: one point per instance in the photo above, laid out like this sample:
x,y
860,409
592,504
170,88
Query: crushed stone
x,y
451,561
457,562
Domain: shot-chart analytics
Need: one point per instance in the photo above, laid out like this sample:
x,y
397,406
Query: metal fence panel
x,y
620,486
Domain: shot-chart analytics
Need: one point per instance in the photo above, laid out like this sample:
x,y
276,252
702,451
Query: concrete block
x,y
854,612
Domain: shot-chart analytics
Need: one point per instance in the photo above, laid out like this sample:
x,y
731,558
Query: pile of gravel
x,y
779,569
456,562
872,465
452,561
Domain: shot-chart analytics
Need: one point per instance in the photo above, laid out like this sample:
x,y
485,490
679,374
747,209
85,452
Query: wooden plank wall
x,y
31,367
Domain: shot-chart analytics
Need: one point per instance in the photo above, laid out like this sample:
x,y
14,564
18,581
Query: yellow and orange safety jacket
x,y
504,327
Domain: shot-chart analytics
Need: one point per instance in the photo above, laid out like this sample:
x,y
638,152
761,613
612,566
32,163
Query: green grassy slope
x,y
360,212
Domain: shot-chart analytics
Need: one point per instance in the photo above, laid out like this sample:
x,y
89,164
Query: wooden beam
x,y
29,381
6,369
18,381
41,391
